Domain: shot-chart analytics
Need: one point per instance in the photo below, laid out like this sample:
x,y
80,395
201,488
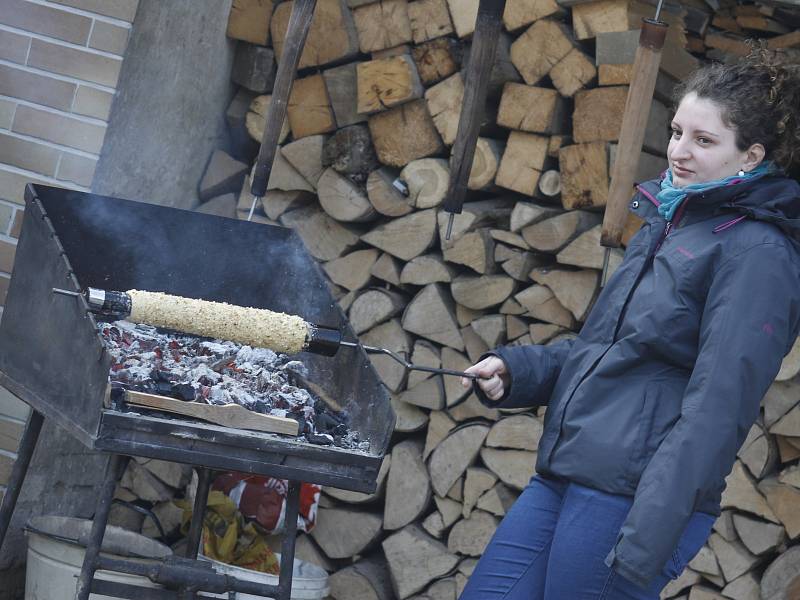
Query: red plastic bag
x,y
263,500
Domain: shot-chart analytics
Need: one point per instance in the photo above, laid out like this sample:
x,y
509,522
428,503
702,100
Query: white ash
x,y
219,372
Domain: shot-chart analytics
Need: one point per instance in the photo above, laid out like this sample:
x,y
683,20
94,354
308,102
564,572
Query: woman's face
x,y
702,148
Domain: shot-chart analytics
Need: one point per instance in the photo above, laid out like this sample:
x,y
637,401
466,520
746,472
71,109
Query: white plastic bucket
x,y
309,582
55,563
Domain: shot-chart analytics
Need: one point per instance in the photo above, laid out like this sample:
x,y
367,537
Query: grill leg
x,y
24,454
195,535
288,541
116,464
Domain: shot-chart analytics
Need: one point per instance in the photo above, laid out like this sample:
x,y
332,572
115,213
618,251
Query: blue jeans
x,y
552,543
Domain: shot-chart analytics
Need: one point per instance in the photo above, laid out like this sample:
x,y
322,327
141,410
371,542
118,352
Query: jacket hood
x,y
773,199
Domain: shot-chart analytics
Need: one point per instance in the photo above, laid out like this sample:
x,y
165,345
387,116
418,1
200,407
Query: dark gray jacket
x,y
657,393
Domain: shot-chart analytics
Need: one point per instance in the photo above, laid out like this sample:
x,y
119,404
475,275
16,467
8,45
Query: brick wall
x,y
59,65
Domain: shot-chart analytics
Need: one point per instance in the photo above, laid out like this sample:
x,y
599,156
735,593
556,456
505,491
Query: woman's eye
x,y
704,140
676,134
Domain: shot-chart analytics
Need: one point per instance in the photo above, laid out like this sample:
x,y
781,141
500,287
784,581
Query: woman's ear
x,y
753,157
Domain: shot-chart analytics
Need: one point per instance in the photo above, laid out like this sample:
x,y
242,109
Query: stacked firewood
x,y
361,173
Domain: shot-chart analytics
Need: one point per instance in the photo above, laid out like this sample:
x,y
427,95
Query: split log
x,y
572,73
427,180
144,485
539,49
465,315
342,199
759,451
575,290
382,25
387,268
529,213
285,177
427,355
518,13
473,344
426,394
429,19
705,562
341,83
743,588
360,497
790,476
491,329
516,327
384,196
789,40
249,21
256,119
442,589
392,336
618,48
789,448
374,307
464,14
350,152
790,366
368,579
522,162
542,304
471,535
520,432
331,37
555,233
482,292
425,269
780,398
387,82
434,524
510,238
439,427
472,408
408,489
741,493
454,454
254,68
789,424
406,237
485,163
783,500
724,525
532,109
404,133
584,175
324,237
586,251
415,559
758,536
477,482
474,249
444,105
305,155
431,315
449,509
454,392
344,532
436,59
590,19
781,580
475,214
409,417
541,333
309,110
497,500
733,557
277,202
353,270
514,467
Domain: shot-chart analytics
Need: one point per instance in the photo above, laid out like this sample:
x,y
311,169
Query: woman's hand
x,y
497,379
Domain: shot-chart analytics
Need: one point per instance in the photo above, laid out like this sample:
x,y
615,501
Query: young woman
x,y
648,406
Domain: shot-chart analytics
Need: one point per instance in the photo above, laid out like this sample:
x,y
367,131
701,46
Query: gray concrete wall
x,y
169,113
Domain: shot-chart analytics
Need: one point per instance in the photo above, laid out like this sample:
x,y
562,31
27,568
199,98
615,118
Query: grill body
x,y
52,357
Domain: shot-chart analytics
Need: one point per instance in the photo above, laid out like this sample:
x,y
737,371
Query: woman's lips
x,y
680,171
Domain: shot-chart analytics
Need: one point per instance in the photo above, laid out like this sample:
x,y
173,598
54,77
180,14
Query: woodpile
x,y
361,174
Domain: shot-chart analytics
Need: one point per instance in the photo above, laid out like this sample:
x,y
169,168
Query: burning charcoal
x,y
183,391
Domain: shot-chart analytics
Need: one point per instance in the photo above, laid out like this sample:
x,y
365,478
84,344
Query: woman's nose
x,y
678,149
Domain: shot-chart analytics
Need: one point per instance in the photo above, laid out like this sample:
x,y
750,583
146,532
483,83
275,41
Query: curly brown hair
x,y
759,97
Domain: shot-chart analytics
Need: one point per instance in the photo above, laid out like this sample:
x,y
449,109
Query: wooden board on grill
x,y
228,415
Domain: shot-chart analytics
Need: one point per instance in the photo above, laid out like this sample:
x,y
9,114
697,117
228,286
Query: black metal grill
x,y
52,357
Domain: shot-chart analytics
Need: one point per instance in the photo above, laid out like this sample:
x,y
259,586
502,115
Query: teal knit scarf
x,y
671,197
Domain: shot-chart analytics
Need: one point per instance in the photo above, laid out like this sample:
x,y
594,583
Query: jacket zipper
x,y
676,220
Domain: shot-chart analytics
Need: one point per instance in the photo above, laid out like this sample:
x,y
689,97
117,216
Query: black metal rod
x,y
116,464
24,454
198,512
288,541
